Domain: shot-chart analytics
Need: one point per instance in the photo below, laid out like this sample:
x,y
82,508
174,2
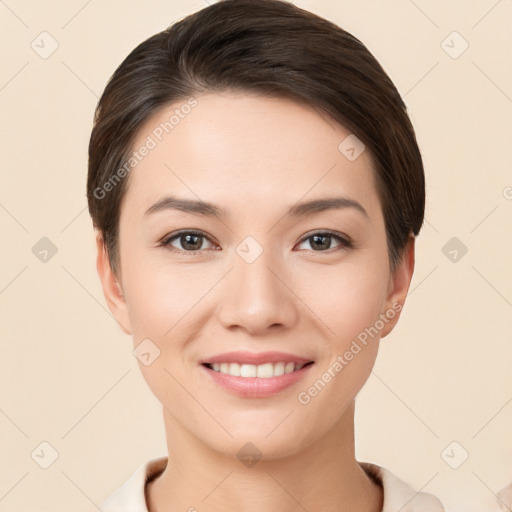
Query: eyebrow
x,y
298,210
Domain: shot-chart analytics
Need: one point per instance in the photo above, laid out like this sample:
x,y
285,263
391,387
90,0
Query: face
x,y
254,273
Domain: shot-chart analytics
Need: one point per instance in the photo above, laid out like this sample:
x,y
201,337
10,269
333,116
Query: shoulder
x,y
398,495
130,497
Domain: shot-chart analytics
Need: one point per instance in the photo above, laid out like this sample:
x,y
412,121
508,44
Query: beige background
x,y
67,373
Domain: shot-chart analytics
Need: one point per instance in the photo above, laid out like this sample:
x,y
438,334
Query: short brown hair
x,y
269,47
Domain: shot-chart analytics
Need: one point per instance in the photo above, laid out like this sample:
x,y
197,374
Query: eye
x,y
190,241
321,240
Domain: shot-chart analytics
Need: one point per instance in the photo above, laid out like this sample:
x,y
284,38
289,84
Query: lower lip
x,y
257,387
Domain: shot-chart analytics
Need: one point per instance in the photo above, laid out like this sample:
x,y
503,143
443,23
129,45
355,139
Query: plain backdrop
x,y
437,410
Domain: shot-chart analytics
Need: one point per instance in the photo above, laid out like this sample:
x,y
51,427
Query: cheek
x,y
161,297
346,300
351,312
165,307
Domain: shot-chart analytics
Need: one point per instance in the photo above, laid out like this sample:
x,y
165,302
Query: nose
x,y
257,296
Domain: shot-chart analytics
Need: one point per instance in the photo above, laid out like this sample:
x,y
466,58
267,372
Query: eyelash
x,y
165,242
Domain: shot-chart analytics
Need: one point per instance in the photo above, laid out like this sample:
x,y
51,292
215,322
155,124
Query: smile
x,y
255,375
262,371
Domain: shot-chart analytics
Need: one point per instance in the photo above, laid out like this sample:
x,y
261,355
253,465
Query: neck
x,y
323,477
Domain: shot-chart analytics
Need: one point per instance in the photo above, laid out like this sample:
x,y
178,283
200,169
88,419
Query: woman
x,y
257,188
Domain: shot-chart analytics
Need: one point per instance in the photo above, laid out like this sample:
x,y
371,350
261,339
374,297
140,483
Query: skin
x,y
255,157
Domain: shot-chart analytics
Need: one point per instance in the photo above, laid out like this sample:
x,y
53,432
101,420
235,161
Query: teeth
x,y
248,370
279,369
262,371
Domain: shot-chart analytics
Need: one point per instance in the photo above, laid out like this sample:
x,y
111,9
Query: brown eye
x,y
189,241
322,241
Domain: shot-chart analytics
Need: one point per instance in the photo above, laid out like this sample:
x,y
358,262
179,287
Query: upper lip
x,y
255,358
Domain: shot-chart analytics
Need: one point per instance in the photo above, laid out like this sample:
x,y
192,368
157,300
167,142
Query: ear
x,y
111,288
398,287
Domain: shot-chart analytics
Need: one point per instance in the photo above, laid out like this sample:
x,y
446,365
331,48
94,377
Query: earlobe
x,y
111,288
400,281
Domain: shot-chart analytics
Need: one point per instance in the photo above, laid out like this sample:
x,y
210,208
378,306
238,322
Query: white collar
x,y
398,496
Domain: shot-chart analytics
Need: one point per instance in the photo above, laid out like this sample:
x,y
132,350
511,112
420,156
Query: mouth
x,y
261,371
255,375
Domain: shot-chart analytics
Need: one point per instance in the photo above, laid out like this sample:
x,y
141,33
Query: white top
x,y
130,497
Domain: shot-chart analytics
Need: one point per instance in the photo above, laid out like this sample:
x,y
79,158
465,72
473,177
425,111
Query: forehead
x,y
239,147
